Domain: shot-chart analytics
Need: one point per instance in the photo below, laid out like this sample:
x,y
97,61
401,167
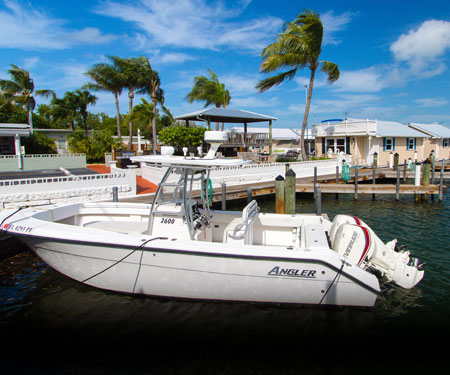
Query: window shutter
x,y
407,144
393,144
323,145
384,144
347,145
415,139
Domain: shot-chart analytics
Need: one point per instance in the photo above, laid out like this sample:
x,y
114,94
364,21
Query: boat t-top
x,y
178,247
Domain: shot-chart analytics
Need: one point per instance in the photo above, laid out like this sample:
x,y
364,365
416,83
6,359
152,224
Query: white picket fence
x,y
252,173
71,188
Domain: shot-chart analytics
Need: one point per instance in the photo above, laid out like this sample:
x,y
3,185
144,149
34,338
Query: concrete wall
x,y
252,173
10,163
80,188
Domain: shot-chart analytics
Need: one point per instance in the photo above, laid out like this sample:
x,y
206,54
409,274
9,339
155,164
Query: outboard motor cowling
x,y
354,240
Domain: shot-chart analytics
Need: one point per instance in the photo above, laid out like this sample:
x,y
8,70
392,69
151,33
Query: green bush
x,y
180,136
95,147
38,143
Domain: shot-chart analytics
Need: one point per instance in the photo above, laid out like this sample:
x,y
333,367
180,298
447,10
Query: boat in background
x,y
178,247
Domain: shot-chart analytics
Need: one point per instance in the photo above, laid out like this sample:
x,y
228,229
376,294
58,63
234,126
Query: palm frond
x,y
267,83
331,69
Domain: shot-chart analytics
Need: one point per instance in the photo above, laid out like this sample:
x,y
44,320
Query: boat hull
x,y
195,274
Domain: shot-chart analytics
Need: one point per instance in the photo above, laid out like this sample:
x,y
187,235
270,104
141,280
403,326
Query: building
x,y
59,136
361,139
283,139
438,141
10,138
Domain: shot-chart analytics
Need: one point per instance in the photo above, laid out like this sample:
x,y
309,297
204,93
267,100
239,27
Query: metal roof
x,y
397,129
433,130
226,115
13,129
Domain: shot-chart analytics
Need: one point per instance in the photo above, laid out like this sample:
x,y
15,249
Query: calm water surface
x,y
51,324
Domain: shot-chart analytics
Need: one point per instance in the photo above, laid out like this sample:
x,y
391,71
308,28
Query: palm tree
x,y
107,77
65,108
157,95
133,73
20,90
83,99
145,112
297,47
72,105
211,91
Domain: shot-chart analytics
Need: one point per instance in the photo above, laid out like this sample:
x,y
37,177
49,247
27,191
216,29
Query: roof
x,y
13,129
375,128
397,129
277,133
225,115
52,130
433,130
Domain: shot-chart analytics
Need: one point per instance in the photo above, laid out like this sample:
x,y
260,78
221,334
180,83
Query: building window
x,y
7,145
388,144
410,143
446,142
336,144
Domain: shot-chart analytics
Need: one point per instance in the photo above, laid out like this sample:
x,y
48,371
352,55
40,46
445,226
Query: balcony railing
x,y
247,139
349,128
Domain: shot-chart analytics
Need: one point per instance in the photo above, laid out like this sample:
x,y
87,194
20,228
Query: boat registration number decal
x,y
292,272
165,220
17,228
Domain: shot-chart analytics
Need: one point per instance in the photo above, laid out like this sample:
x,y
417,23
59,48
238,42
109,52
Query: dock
x,y
362,181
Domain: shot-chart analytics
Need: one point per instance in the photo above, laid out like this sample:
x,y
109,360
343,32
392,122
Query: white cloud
x,y
363,80
432,102
240,84
332,24
422,48
26,28
31,62
168,58
193,23
253,102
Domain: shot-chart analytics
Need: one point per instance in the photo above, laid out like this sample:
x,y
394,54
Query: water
x,y
51,324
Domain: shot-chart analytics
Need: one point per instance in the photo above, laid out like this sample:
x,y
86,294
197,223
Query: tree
x,y
84,98
157,95
181,136
107,77
65,109
20,89
145,112
209,90
72,106
133,74
297,47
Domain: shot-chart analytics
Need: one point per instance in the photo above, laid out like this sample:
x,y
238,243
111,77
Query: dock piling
x,y
224,196
441,182
356,183
404,172
426,165
374,180
318,202
249,194
279,194
397,186
337,180
115,194
289,189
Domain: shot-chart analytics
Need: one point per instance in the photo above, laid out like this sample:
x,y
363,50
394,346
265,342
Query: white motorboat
x,y
178,247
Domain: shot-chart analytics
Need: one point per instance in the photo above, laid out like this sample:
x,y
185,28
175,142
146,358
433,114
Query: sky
x,y
393,56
